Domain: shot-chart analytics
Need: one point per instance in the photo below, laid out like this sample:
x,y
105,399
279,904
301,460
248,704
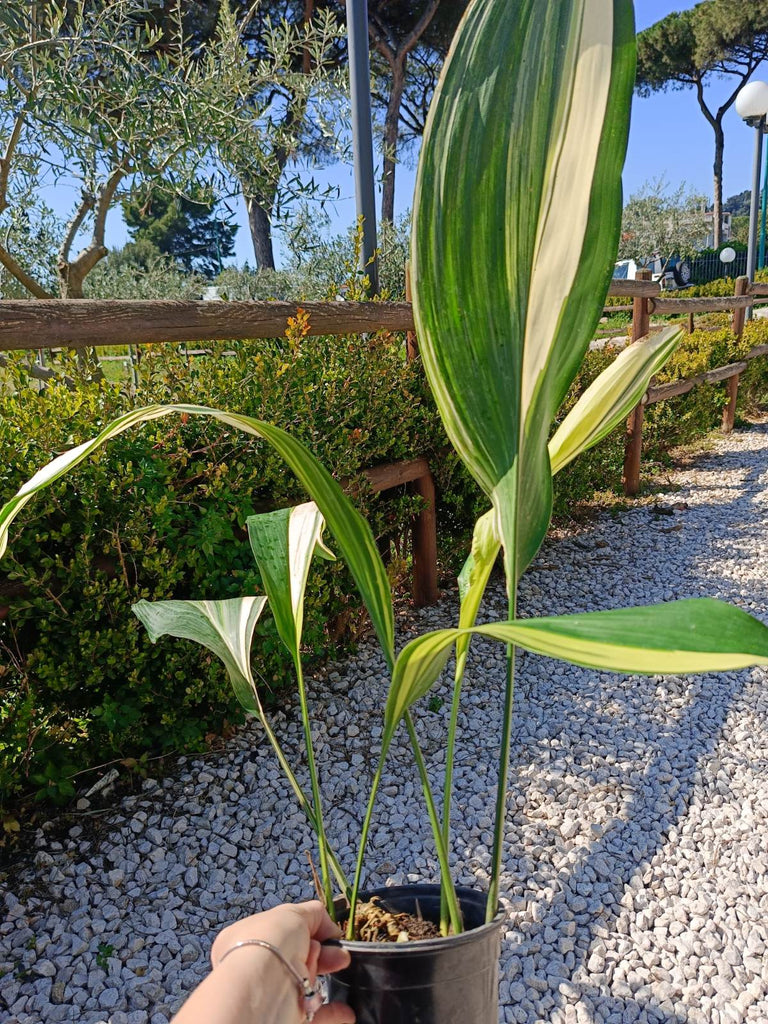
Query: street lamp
x,y
752,106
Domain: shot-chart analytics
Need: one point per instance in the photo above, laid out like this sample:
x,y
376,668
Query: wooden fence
x,y
81,323
647,301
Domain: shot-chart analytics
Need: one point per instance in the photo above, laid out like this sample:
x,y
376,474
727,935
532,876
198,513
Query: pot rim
x,y
422,945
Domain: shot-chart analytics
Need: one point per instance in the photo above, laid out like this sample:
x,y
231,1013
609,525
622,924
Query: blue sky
x,y
669,138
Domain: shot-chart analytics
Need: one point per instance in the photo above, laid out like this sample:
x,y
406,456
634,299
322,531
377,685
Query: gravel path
x,y
637,866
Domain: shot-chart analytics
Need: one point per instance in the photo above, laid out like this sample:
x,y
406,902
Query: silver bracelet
x,y
312,998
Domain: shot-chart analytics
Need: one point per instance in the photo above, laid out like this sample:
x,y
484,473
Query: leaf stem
x,y
301,796
458,678
315,782
452,904
501,791
363,841
454,912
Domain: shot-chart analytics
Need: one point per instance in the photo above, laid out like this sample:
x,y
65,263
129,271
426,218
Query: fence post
x,y
634,444
411,341
732,384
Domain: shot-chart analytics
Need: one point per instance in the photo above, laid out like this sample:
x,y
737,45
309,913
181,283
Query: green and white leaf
x,y
531,114
611,397
61,465
283,543
352,532
473,579
696,635
224,627
604,404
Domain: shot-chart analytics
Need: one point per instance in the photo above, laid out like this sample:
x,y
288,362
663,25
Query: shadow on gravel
x,y
711,562
627,847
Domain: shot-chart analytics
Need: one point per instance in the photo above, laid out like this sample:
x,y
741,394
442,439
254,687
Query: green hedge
x,y
160,512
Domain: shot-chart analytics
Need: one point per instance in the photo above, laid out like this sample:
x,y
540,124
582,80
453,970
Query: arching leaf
x,y
224,627
611,396
352,532
696,635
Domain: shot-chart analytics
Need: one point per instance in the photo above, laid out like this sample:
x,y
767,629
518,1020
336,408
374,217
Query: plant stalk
x,y
363,841
458,678
301,796
454,911
322,842
501,792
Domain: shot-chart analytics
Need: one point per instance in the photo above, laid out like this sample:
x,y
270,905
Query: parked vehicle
x,y
671,272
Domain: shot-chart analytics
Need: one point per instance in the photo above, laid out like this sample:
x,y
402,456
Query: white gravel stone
x,y
636,870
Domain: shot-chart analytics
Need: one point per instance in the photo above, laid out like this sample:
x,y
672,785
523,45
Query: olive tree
x,y
117,96
659,222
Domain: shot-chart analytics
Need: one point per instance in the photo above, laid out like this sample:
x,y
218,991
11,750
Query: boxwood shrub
x,y
160,513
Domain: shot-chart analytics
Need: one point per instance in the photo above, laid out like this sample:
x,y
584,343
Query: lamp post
x,y
763,214
362,135
752,106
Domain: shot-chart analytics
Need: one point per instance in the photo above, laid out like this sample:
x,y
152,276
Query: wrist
x,y
260,984
249,987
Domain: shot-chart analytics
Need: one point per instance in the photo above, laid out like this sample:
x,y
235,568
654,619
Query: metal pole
x,y
753,206
763,212
362,135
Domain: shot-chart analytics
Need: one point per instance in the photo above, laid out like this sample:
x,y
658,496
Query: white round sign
x,y
727,255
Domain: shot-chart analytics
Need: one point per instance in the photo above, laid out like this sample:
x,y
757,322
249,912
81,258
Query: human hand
x,y
298,931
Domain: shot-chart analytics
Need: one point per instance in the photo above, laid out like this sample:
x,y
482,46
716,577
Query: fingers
x,y
312,959
335,1013
319,923
332,958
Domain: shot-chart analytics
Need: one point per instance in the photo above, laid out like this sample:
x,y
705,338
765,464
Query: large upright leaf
x,y
224,627
283,543
516,221
352,532
608,399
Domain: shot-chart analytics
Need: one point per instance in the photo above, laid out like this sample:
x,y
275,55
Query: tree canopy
x,y
684,50
118,96
409,42
662,222
192,232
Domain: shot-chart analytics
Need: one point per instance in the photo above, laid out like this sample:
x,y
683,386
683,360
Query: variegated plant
x,y
516,221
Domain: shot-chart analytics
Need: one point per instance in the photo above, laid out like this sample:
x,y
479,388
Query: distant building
x,y
725,236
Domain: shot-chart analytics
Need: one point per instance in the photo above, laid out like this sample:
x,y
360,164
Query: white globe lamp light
x,y
752,106
752,102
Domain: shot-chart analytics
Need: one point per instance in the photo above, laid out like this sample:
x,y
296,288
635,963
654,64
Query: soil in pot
x,y
374,922
443,980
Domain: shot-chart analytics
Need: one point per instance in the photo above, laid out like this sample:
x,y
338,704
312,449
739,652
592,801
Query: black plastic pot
x,y
452,980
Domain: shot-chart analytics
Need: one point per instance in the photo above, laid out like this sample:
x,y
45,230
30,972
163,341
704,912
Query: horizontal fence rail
x,y
82,323
717,304
87,323
682,387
